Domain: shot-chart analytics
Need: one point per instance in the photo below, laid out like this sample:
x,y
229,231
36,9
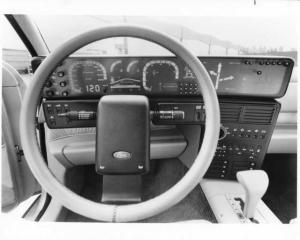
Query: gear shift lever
x,y
255,183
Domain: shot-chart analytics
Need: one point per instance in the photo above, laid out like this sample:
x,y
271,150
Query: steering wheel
x,y
111,212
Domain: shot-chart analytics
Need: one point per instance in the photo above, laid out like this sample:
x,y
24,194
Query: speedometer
x,y
87,76
160,76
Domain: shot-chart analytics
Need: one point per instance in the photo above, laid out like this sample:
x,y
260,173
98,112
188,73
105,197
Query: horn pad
x,y
123,135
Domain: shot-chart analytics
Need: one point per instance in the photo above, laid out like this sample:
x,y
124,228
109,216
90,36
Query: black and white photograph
x,y
149,120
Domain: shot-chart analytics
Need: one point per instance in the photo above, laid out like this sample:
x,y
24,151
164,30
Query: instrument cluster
x,y
93,77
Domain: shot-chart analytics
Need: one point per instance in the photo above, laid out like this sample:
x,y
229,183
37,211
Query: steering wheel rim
x,y
105,212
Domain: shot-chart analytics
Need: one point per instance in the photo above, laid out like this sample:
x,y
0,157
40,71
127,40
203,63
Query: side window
x,y
14,51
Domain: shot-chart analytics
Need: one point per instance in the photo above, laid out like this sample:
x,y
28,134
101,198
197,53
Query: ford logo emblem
x,y
122,155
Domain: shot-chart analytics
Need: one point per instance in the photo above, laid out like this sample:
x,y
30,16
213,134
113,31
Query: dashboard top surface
x,y
159,76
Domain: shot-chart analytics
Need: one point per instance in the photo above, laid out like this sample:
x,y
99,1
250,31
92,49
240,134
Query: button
x,y
258,149
66,108
286,64
259,72
262,136
63,84
52,120
48,84
53,76
60,74
49,108
65,93
58,108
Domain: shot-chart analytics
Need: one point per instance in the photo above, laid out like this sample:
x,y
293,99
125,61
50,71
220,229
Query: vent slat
x,y
257,114
230,113
247,114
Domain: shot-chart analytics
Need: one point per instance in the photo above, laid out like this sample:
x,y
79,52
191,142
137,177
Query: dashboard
x,y
246,87
93,77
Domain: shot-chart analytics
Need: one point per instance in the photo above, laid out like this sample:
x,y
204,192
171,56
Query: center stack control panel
x,y
246,126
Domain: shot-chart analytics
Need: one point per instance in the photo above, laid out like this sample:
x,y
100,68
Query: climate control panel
x,y
243,148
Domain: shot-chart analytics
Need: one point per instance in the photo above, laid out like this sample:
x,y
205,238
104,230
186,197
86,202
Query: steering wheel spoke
x,y
121,189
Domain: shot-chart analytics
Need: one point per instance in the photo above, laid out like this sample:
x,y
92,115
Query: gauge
x,y
125,77
87,76
188,73
160,75
133,69
116,71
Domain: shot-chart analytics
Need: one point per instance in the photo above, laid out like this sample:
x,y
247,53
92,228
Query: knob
x,y
223,133
255,184
61,74
178,115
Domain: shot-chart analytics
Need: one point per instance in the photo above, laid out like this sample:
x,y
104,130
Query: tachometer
x,y
160,75
87,76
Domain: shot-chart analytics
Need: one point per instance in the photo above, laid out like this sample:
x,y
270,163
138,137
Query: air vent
x,y
230,112
259,114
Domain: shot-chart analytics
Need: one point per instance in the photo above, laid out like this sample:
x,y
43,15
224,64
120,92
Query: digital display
x,y
168,76
255,77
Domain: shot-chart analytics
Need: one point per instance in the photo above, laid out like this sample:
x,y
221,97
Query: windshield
x,y
202,35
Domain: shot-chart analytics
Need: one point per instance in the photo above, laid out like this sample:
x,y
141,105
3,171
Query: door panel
x,y
9,198
18,183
